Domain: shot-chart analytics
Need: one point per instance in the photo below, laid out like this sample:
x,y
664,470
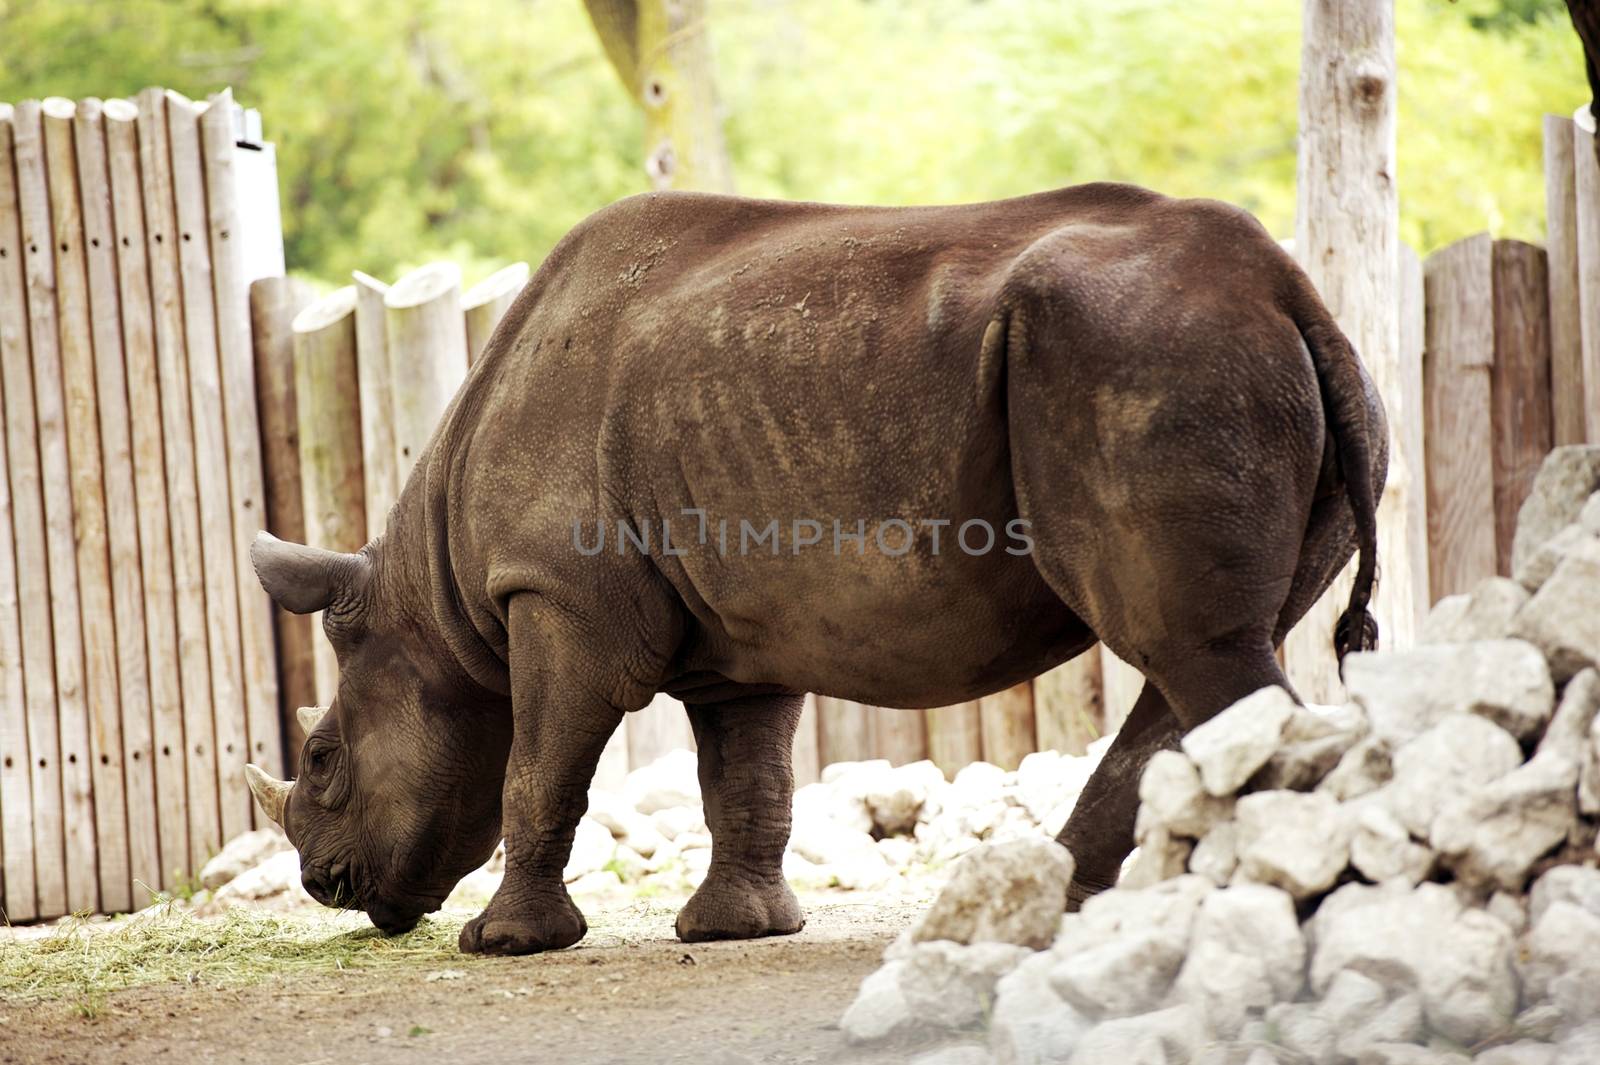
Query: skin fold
x,y
1145,390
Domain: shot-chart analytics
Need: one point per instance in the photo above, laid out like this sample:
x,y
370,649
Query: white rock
x,y
1567,478
1532,574
1160,1038
1579,1046
474,890
1217,855
1509,909
1408,1054
1048,784
1295,840
977,784
1406,692
1589,516
592,848
1568,733
879,1009
670,780
1362,770
950,985
1381,848
1577,884
278,877
1031,1024
1171,798
1485,614
805,875
897,850
1246,953
1166,909
1561,619
895,802
1420,940
1123,976
1460,751
962,1055
674,821
629,863
599,882
1006,892
244,851
1159,856
1560,961
1230,747
1522,1052
1313,742
1495,832
626,824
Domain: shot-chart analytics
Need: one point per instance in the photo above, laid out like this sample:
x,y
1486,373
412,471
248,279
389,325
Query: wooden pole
x,y
207,410
807,765
1519,383
1460,352
1586,189
377,402
1120,684
1347,238
231,291
845,734
1068,711
487,302
165,753
427,355
1561,242
899,735
1413,417
183,486
274,303
60,349
131,675
1007,719
27,694
327,402
955,736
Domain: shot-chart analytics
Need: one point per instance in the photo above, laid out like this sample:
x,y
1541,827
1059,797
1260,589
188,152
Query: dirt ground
x,y
630,992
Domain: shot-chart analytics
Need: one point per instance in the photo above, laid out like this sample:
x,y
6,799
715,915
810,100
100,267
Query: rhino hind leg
x,y
747,784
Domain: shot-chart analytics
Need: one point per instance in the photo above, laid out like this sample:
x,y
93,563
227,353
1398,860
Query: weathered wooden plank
x,y
207,412
955,736
274,302
660,727
327,401
377,402
1519,383
183,490
1411,432
1068,708
807,764
899,735
21,549
247,490
1561,244
165,754
1120,685
71,723
427,339
121,512
612,769
845,732
1007,720
1586,190
485,303
1456,371
1347,238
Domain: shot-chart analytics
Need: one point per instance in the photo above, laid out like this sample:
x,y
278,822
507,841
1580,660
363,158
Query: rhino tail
x,y
1345,392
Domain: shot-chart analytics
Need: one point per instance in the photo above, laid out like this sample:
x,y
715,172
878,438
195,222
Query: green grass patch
x,y
82,965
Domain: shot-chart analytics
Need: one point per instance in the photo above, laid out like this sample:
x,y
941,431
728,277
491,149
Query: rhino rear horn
x,y
304,579
310,716
269,791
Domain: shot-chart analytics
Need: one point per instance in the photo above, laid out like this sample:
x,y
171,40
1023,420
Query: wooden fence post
x,y
70,721
377,402
427,355
150,492
1347,239
898,735
211,465
1120,684
182,480
246,488
660,727
1586,190
1456,367
1519,382
845,731
131,674
1411,433
24,594
487,302
955,736
805,759
327,398
274,303
1007,720
1068,712
1561,243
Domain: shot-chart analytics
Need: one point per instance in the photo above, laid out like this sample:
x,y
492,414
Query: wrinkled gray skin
x,y
1151,383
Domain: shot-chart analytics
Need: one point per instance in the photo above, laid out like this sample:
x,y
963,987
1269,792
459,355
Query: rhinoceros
x,y
738,450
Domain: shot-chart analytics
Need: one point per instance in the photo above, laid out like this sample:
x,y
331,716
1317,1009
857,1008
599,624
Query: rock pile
x,y
1406,880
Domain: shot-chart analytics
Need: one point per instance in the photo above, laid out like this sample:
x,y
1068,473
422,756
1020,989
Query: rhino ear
x,y
303,579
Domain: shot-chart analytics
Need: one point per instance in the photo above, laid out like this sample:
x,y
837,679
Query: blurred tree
x,y
660,51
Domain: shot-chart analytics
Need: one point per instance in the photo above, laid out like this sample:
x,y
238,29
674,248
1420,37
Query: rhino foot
x,y
552,926
729,907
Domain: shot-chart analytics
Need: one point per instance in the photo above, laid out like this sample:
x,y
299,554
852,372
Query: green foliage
x,y
482,130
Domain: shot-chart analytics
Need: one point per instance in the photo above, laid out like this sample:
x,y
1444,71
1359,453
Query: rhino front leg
x,y
746,782
562,717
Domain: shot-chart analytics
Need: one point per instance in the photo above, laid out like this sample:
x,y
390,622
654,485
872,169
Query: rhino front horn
x,y
309,716
269,791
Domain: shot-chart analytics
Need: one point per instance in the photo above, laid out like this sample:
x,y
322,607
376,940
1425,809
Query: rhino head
x,y
400,778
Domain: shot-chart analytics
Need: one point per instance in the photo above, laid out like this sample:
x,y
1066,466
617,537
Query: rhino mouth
x,y
334,886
